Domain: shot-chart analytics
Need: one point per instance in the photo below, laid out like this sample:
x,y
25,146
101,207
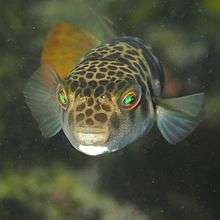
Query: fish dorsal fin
x,y
65,46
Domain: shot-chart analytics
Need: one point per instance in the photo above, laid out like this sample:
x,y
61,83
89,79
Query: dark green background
x,y
150,179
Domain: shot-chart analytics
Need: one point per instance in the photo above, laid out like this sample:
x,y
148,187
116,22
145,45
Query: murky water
x,y
150,179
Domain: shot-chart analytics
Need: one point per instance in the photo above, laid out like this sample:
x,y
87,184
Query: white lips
x,y
93,150
91,138
92,141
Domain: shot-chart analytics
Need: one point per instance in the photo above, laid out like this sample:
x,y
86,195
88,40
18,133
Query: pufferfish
x,y
105,97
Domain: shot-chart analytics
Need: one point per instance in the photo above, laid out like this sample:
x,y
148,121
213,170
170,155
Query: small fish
x,y
105,97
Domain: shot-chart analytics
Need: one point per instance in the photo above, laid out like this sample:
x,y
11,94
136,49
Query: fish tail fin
x,y
178,117
40,96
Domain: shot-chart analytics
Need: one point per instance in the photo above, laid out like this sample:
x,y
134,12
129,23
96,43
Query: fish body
x,y
111,97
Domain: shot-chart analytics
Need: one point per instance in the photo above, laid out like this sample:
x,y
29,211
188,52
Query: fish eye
x,y
130,99
62,97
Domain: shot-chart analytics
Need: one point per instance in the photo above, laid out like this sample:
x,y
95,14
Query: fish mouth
x,y
91,136
93,150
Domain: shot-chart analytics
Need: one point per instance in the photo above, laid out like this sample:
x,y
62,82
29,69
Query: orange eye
x,y
130,99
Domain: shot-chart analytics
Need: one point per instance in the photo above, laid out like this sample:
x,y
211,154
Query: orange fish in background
x,y
105,97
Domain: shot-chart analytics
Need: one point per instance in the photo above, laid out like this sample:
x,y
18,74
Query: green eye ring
x,y
62,97
130,99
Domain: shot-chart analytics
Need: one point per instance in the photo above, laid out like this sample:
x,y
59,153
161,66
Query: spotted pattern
x,y
102,72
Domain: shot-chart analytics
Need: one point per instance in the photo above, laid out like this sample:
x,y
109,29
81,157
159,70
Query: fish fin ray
x,y
40,96
190,105
178,117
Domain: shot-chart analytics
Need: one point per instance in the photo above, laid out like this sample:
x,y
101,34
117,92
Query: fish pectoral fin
x,y
178,117
40,96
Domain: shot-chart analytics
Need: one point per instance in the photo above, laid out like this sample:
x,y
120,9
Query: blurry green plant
x,y
61,193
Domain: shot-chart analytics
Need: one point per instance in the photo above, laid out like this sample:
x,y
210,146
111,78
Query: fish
x,y
105,95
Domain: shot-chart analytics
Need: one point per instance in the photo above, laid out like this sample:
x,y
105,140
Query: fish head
x,y
102,119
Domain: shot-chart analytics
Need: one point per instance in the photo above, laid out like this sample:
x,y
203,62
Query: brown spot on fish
x,y
82,82
102,69
119,74
106,107
101,117
126,70
132,52
89,75
93,84
82,72
121,84
112,67
102,64
103,82
80,107
110,87
89,112
89,122
74,85
90,101
97,107
129,57
99,91
110,73
87,92
120,48
100,75
80,117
